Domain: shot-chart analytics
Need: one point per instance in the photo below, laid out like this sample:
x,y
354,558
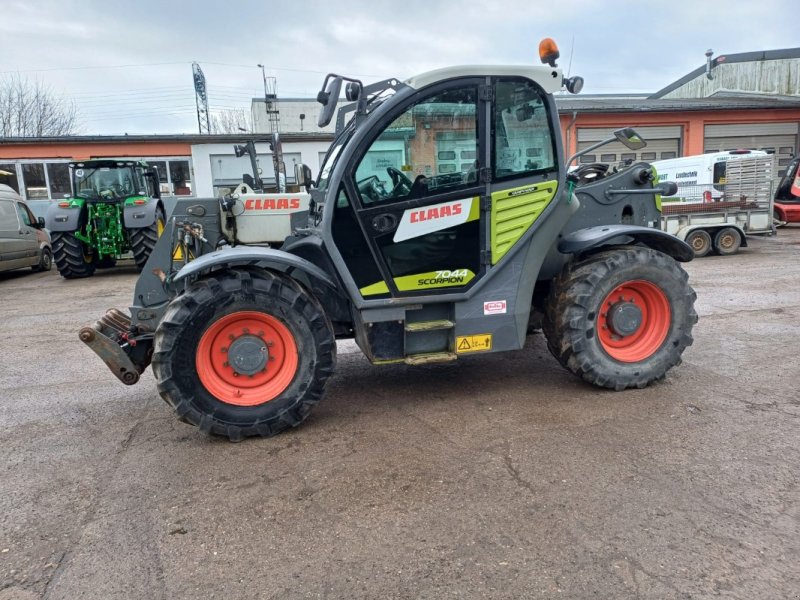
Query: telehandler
x,y
442,220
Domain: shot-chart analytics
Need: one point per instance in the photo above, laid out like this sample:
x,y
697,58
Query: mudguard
x,y
136,216
593,237
265,258
64,219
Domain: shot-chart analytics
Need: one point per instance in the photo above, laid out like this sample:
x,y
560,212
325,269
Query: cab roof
x,y
549,78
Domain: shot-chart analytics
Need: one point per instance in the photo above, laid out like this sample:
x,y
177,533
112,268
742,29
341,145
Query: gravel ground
x,y
498,476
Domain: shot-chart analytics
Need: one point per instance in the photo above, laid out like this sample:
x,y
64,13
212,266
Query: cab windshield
x,y
107,183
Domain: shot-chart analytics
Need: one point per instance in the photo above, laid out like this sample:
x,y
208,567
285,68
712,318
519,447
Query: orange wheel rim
x,y
246,358
634,321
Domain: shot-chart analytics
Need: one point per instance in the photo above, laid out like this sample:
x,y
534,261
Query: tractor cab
x,y
113,180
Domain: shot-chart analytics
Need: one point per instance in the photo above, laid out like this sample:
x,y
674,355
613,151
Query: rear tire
x,y
72,258
700,241
583,299
144,239
727,241
269,328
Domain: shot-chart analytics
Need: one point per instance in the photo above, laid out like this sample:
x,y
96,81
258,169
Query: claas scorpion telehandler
x,y
442,223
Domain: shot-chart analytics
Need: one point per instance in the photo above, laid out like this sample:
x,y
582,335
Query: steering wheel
x,y
589,173
399,182
372,188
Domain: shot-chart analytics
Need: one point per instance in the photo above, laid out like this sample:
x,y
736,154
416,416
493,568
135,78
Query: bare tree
x,y
233,120
32,109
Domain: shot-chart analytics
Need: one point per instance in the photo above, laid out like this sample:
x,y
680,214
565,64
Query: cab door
x,y
14,244
415,195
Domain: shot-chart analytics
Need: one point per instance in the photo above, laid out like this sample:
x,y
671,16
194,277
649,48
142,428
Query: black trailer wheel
x,y
244,353
620,318
45,261
700,241
73,258
727,241
144,239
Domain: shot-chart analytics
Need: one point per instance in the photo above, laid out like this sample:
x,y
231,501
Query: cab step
x,y
430,357
429,325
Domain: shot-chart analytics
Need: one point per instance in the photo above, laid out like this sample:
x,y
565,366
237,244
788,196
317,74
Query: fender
x,y
266,258
136,216
64,219
593,237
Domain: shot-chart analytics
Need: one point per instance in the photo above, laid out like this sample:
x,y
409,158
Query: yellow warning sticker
x,y
481,342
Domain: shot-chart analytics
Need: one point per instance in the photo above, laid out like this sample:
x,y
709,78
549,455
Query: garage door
x,y
662,143
776,138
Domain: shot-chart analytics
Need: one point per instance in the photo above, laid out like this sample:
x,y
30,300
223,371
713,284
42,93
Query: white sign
x,y
427,219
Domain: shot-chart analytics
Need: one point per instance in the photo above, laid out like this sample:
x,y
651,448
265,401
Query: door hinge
x,y
484,175
486,257
486,203
487,93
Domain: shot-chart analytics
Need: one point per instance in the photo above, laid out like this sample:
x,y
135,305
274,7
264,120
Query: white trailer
x,y
741,204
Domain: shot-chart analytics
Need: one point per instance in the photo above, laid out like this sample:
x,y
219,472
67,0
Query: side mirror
x,y
40,221
629,138
328,97
302,174
668,188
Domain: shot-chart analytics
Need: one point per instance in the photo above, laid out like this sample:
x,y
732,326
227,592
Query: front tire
x,y
45,261
144,239
72,258
620,318
244,353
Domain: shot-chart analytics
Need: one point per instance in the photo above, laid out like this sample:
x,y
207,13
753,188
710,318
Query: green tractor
x,y
116,208
443,224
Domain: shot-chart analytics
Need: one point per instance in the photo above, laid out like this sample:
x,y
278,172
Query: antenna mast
x,y
201,100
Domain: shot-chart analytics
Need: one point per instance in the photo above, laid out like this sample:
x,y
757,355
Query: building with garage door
x,y
749,100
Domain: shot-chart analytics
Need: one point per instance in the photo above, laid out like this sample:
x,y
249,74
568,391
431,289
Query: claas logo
x,y
271,203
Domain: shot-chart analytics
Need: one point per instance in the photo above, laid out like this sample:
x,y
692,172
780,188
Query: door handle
x,y
383,223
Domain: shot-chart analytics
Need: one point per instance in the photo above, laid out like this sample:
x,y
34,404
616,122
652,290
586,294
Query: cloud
x,y
618,46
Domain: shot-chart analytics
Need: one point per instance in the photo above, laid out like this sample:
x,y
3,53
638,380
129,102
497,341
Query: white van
x,y
24,242
700,178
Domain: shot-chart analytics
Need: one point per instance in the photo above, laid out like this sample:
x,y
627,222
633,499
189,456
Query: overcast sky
x,y
127,65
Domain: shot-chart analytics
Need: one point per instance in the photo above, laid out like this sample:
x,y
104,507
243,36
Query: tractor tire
x,y
71,257
45,261
267,327
143,239
620,318
727,241
700,241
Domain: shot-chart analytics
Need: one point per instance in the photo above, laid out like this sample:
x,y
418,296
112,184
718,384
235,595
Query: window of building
x,y
180,177
8,175
666,155
34,181
608,158
588,158
648,155
58,176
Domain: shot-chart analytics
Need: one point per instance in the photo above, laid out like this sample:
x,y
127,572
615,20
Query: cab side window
x,y
431,148
523,140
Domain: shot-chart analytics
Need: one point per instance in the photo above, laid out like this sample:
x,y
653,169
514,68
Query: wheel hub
x,y
248,355
624,318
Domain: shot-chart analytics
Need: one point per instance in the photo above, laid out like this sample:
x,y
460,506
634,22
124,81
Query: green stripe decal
x,y
513,213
